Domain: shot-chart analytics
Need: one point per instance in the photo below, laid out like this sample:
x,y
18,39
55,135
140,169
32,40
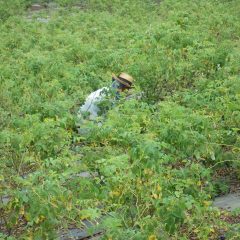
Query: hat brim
x,y
121,81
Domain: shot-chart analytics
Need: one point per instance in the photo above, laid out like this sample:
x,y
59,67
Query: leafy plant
x,y
151,161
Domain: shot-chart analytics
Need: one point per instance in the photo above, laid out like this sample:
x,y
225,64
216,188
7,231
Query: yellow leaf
x,y
206,203
155,196
116,193
159,188
83,217
152,237
27,217
21,212
37,220
196,230
212,230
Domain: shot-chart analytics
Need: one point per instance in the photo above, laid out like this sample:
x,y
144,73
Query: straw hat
x,y
124,78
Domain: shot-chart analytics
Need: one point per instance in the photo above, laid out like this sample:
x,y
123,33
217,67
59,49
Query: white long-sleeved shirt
x,y
91,104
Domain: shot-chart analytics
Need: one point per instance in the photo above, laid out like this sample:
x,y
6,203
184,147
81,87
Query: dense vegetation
x,y
155,158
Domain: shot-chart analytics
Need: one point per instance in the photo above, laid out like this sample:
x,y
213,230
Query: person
x,y
94,103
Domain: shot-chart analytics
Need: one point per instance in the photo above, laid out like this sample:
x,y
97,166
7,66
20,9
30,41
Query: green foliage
x,y
154,158
9,8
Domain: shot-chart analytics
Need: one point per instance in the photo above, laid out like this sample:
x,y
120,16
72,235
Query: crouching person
x,y
100,101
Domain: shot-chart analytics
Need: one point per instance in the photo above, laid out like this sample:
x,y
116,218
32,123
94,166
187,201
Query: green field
x,y
154,161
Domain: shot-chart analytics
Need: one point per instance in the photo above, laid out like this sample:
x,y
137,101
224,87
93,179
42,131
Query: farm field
x,y
154,167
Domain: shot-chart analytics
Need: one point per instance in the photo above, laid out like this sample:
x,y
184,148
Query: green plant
x,y
152,159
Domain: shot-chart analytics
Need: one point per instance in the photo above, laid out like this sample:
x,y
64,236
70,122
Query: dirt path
x,y
228,202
